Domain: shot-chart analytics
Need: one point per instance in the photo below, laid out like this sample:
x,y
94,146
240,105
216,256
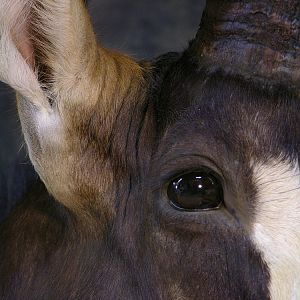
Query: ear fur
x,y
72,93
14,69
45,43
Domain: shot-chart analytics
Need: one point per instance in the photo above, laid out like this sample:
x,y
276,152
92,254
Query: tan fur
x,y
55,53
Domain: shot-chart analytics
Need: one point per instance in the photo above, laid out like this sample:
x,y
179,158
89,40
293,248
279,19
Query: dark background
x,y
142,28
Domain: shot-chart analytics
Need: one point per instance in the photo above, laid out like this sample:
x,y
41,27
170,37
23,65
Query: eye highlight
x,y
195,191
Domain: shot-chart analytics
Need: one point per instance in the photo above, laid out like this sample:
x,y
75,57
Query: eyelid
x,y
175,167
196,210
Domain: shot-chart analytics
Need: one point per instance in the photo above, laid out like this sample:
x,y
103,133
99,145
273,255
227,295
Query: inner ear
x,y
22,39
22,29
44,34
46,47
29,44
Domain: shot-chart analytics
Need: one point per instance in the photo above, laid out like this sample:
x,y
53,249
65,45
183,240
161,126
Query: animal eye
x,y
195,191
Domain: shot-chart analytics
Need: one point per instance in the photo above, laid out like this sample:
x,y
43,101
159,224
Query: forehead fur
x,y
252,120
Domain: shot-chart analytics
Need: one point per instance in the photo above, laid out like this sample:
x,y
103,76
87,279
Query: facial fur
x,y
107,134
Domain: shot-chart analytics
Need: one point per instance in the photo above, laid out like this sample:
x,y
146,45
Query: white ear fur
x,y
39,35
14,70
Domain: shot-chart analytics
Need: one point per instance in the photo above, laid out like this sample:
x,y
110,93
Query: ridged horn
x,y
258,39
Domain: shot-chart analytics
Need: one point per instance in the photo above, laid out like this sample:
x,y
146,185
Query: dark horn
x,y
257,39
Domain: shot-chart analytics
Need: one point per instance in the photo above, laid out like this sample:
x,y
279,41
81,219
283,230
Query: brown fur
x,y
86,86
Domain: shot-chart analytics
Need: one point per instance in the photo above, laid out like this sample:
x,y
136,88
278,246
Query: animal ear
x,y
45,43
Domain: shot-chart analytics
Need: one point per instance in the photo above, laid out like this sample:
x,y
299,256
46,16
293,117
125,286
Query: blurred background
x,y
143,29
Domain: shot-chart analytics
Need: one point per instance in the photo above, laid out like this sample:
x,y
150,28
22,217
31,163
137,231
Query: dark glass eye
x,y
196,191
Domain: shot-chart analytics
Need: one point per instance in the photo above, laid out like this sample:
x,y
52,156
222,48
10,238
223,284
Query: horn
x,y
257,39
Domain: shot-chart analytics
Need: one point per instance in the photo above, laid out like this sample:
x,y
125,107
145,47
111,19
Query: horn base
x,y
256,39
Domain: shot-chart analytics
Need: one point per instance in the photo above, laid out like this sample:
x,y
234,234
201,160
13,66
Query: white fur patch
x,y
49,128
276,230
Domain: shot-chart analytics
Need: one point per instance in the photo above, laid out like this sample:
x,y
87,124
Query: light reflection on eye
x,y
195,191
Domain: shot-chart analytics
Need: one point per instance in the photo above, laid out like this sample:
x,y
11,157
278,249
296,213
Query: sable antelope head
x,y
172,179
